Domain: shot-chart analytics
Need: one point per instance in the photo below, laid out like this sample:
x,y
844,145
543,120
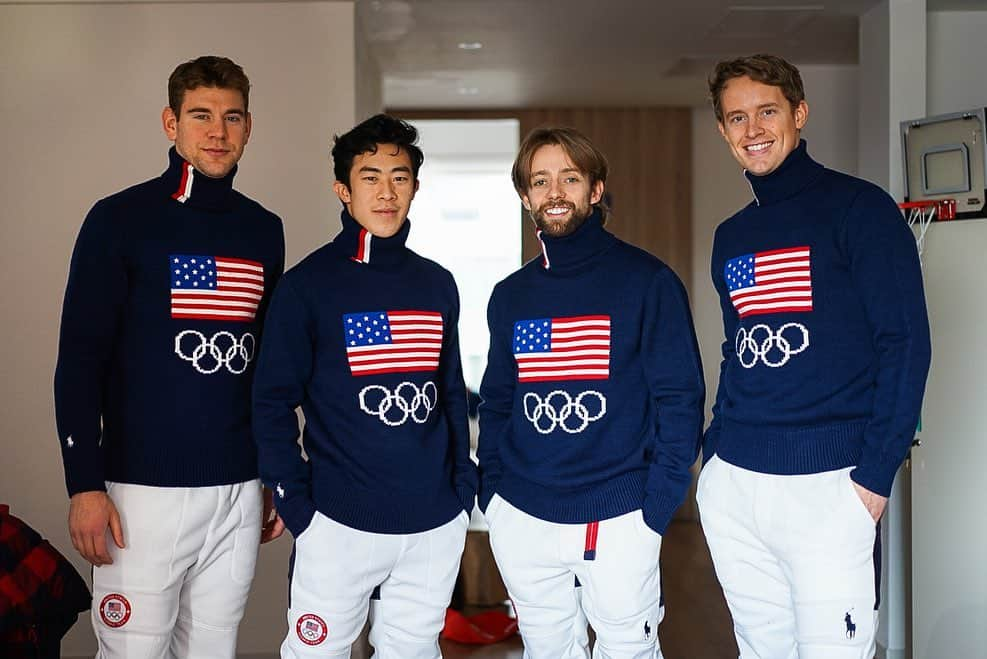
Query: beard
x,y
561,227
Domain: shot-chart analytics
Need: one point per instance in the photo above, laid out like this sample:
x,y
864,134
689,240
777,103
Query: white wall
x,y
957,61
369,85
831,132
81,93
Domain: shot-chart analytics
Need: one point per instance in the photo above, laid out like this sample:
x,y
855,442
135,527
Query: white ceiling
x,y
543,53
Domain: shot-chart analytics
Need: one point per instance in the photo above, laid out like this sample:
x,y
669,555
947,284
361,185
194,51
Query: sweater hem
x,y
791,451
596,502
379,515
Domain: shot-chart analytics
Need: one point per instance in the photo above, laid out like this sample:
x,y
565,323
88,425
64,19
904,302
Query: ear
x,y
170,123
596,193
525,202
248,124
723,131
342,191
801,114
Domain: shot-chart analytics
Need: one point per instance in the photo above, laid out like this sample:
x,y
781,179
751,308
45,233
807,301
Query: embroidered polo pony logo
x,y
851,626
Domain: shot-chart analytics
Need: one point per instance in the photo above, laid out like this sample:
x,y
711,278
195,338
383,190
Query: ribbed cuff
x,y
658,513
876,478
709,446
296,512
488,487
83,470
467,497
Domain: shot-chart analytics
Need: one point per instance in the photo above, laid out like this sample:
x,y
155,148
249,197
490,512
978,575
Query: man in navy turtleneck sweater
x,y
167,288
824,366
362,335
591,415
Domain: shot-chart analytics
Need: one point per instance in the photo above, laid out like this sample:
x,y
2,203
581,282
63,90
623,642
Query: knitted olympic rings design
x,y
407,398
773,349
563,409
223,349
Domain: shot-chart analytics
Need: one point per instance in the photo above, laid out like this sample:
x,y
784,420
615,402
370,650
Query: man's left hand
x,y
272,525
874,502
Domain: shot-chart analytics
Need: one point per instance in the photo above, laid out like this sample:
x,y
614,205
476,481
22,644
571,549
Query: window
x,y
467,217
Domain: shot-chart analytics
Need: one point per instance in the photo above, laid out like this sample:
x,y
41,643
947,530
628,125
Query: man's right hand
x,y
90,513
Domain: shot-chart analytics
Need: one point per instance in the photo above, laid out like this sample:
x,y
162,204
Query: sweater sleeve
x,y
94,301
670,354
454,400
497,403
729,314
885,269
284,367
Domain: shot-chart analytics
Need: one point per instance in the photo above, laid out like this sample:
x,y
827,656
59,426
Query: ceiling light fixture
x,y
469,45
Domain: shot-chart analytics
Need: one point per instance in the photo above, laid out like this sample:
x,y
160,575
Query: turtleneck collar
x,y
796,172
572,251
189,186
364,247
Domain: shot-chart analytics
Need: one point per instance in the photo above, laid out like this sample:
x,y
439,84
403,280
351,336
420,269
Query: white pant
x,y
336,568
795,557
616,564
179,587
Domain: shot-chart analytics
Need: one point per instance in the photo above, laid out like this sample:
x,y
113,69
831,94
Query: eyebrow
x,y
235,111
759,107
378,170
567,170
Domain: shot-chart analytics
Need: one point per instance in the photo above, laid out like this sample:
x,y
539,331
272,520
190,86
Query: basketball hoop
x,y
920,214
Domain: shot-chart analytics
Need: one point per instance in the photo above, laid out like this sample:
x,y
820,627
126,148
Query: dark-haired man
x,y
824,366
591,415
166,292
362,335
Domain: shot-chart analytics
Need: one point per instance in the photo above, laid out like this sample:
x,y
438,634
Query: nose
x,y
387,190
753,127
555,190
218,128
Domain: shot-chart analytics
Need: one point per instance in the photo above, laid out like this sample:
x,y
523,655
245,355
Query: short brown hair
x,y
206,71
768,69
586,157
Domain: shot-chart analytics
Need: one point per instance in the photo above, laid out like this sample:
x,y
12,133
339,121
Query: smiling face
x,y
760,124
380,189
211,129
559,196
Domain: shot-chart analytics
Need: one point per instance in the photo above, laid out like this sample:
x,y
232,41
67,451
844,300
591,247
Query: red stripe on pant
x,y
589,551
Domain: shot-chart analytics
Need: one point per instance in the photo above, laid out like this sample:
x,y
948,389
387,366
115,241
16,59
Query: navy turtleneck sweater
x,y
362,335
827,339
593,393
162,316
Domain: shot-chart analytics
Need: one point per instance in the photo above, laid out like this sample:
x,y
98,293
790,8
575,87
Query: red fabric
x,y
480,629
36,582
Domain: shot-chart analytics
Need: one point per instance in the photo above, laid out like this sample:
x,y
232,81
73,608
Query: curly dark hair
x,y
364,138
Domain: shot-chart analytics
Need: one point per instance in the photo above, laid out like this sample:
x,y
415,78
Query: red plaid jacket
x,y
39,588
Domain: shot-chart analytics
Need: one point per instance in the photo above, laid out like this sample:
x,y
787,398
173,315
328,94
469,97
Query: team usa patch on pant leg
x,y
311,629
114,610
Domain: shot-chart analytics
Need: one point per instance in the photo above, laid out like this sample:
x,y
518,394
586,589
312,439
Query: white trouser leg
x,y
410,614
215,592
825,537
136,600
794,555
335,568
621,590
526,550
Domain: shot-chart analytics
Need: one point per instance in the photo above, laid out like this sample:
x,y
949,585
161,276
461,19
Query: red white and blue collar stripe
x,y
184,190
363,244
